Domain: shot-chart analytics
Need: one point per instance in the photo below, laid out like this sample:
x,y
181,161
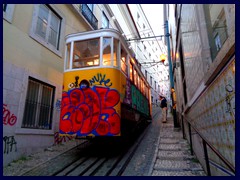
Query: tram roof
x,y
94,34
85,35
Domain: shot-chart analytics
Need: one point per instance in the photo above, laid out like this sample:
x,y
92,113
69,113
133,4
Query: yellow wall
x,y
23,51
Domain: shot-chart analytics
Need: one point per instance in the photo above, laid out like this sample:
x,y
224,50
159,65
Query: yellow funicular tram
x,y
104,90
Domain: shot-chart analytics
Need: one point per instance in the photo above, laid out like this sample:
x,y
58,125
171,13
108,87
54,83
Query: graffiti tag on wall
x,y
230,99
128,93
90,111
58,104
9,144
8,118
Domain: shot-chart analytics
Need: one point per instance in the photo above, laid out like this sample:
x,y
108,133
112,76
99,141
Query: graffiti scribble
x,y
58,104
229,98
8,118
128,96
9,142
74,84
90,111
99,79
59,139
76,81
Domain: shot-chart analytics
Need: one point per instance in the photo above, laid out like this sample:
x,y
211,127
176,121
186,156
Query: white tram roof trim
x,y
94,34
85,35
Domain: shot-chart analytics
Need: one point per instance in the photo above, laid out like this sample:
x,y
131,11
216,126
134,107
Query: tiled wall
x,y
214,114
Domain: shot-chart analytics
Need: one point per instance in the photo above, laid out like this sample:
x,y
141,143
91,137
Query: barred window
x,y
39,105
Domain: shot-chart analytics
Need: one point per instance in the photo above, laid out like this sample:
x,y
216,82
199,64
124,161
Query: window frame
x,y
84,60
8,13
90,6
32,32
40,102
122,62
135,76
111,50
131,76
105,20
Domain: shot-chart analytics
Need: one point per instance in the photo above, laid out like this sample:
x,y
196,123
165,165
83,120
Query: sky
x,y
154,14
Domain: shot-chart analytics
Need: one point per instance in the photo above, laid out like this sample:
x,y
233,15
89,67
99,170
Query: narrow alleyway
x,y
162,153
173,157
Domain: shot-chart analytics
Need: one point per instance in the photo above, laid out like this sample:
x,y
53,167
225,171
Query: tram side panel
x,y
135,107
93,110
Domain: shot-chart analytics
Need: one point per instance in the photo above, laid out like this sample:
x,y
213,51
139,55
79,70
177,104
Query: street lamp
x,y
163,57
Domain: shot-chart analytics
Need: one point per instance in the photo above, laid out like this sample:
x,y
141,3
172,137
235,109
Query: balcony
x,y
88,14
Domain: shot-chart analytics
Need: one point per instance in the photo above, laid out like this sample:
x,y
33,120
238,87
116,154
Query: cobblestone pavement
x,y
173,157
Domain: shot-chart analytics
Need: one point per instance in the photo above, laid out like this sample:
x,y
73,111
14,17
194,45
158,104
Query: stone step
x,y
171,164
178,173
181,155
177,165
172,147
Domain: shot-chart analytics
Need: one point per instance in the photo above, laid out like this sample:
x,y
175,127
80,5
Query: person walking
x,y
163,105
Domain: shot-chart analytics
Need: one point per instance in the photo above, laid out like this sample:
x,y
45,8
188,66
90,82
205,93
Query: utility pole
x,y
171,76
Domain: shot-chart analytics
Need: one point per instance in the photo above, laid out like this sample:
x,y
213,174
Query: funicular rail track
x,y
91,158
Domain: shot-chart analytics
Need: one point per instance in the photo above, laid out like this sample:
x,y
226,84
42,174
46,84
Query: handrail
x,y
205,142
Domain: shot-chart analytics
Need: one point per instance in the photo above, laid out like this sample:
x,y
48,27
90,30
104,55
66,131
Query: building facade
x,y
33,61
203,55
148,48
33,46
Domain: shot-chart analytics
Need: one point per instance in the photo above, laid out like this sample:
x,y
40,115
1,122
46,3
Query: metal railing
x,y
88,14
205,144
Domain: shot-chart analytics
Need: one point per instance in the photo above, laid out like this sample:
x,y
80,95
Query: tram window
x,y
144,89
147,93
135,77
131,72
124,57
115,52
68,56
107,51
86,53
139,83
